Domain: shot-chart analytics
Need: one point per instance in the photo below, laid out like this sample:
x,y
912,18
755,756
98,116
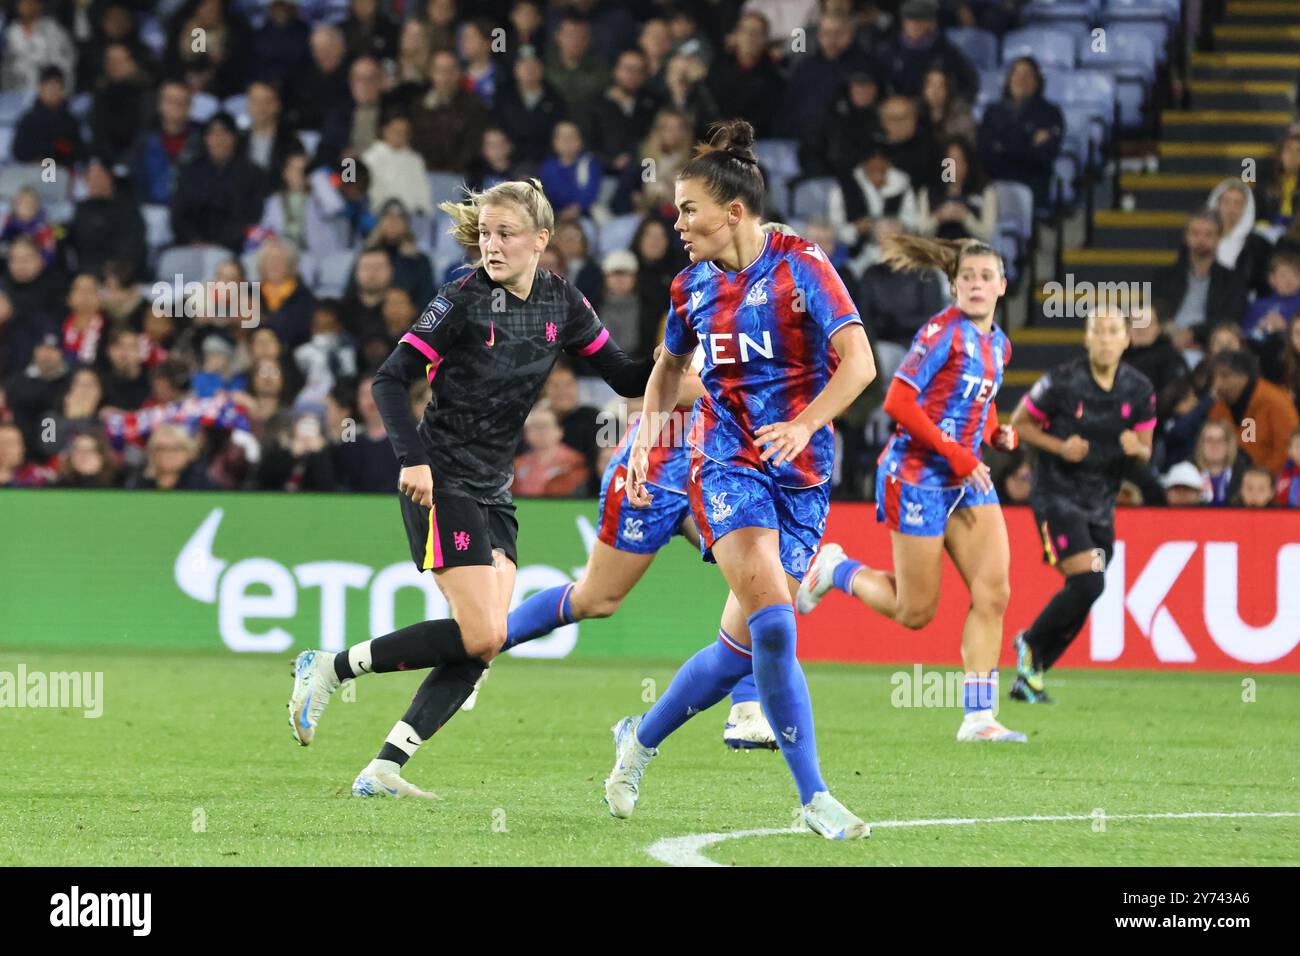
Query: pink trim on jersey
x,y
595,345
421,346
1037,414
426,350
1147,425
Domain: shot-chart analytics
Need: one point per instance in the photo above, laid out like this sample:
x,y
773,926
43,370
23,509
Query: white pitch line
x,y
689,850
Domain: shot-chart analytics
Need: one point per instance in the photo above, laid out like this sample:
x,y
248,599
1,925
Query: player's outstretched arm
x,y
783,441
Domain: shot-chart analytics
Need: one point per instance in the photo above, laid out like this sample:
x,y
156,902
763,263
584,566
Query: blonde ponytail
x,y
905,253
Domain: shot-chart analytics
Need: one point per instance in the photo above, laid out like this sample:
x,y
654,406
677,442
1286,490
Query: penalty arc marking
x,y
689,850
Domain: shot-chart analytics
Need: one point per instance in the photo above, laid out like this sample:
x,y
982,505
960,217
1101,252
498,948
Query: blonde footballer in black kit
x,y
486,344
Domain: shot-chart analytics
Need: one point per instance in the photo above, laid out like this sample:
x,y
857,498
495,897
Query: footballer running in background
x,y
1088,418
486,344
932,490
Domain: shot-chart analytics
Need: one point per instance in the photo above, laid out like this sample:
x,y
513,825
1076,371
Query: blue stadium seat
x,y
616,233
980,46
1015,208
333,273
1084,90
1049,47
1039,11
1157,33
310,139
14,104
1168,11
446,187
157,224
811,198
991,85
15,177
203,106
1015,227
1131,60
779,159
192,263
237,106
1127,55
6,143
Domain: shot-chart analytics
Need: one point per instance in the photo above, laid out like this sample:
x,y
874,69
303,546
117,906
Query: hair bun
x,y
735,137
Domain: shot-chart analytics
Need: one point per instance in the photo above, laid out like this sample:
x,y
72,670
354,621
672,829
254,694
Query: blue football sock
x,y
745,691
539,615
699,684
783,692
843,576
980,692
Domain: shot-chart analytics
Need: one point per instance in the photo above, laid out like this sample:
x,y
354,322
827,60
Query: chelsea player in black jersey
x,y
1088,418
486,344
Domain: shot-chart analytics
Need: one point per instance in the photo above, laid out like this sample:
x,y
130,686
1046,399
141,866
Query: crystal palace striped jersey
x,y
957,371
766,334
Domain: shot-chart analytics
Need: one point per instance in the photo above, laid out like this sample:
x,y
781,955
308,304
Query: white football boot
x,y
980,725
374,781
748,729
630,761
314,682
820,577
825,815
472,699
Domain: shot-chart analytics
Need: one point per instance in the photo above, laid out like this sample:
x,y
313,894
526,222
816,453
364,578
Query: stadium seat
x,y
59,212
310,139
779,159
1168,12
1039,11
1131,60
811,198
980,46
1157,33
157,224
14,104
191,263
15,177
1015,227
1015,208
333,273
153,35
237,106
1127,55
617,233
203,106
6,143
1085,90
992,83
1051,48
79,106
446,187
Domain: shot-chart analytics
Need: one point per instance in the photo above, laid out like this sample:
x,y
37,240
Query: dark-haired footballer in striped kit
x,y
486,344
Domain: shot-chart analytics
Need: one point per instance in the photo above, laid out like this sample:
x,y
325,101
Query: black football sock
x,y
426,644
1058,623
440,695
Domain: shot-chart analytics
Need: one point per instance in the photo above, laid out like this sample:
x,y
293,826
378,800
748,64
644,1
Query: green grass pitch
x,y
192,762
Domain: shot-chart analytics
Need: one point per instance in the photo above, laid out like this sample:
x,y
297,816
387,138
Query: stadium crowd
x,y
288,157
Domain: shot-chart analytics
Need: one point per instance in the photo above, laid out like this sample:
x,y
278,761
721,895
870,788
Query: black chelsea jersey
x,y
1068,401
